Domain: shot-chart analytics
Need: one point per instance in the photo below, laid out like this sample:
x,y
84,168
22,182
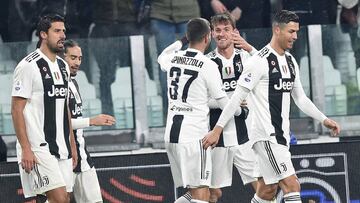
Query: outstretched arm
x,y
308,107
212,138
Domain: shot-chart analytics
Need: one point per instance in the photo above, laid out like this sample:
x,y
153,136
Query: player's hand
x,y
102,119
333,126
212,138
217,6
243,103
240,42
28,160
236,13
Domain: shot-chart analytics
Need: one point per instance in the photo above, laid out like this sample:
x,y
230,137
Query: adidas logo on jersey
x,y
285,85
47,76
274,70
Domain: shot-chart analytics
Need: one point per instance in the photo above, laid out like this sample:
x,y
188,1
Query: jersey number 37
x,y
176,74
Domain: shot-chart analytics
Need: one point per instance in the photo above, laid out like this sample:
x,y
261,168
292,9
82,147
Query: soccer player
x,y
192,79
45,142
273,76
234,147
86,184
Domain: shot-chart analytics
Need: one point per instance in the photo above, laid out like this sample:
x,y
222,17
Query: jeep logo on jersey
x,y
58,91
77,110
228,72
229,86
285,85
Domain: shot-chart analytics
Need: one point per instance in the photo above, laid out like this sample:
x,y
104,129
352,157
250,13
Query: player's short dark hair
x,y
222,18
197,29
284,17
69,43
45,23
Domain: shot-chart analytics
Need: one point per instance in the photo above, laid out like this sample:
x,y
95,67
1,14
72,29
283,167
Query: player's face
x,y
288,35
55,37
73,57
222,34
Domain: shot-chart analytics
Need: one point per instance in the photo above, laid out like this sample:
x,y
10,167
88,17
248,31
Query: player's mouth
x,y
61,42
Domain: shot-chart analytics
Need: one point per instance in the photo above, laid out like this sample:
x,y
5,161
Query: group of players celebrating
x,y
243,95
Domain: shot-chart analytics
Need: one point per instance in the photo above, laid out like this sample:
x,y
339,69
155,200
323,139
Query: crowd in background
x,y
165,19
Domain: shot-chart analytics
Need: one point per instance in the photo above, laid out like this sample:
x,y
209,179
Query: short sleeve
x,y
213,80
23,80
253,71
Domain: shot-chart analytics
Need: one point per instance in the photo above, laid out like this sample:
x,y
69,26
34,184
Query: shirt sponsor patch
x,y
18,86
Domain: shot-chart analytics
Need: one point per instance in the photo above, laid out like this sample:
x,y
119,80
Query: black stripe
x,y
275,98
187,196
213,118
49,108
66,128
175,128
201,160
36,169
272,158
190,54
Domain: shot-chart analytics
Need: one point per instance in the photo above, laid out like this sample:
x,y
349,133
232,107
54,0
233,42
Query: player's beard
x,y
55,48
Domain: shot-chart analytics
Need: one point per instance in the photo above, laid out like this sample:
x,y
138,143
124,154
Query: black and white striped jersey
x,y
75,104
235,132
45,86
272,79
192,79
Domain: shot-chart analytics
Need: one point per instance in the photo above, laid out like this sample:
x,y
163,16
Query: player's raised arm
x,y
176,46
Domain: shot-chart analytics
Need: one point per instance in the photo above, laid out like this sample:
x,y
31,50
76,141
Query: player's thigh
x,y
273,161
190,164
45,175
222,166
244,161
86,187
67,173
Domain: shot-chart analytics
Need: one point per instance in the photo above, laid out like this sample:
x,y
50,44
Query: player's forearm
x,y
19,125
308,107
79,123
168,50
232,106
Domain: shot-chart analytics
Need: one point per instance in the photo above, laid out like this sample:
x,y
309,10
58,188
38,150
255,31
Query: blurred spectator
x,y
241,10
313,12
168,22
3,150
4,12
21,23
350,19
112,18
249,14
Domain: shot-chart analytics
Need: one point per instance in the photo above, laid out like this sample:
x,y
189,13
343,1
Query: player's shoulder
x,y
264,52
212,54
29,61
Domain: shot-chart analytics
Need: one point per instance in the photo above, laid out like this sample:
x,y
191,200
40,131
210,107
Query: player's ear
x,y
43,34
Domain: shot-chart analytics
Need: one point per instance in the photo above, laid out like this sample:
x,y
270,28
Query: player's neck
x,y
198,47
277,47
227,52
46,51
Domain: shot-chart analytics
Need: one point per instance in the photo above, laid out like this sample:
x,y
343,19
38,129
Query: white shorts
x,y
275,161
223,159
86,187
190,164
50,173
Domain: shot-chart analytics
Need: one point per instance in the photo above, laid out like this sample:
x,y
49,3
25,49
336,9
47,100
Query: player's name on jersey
x,y
187,61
